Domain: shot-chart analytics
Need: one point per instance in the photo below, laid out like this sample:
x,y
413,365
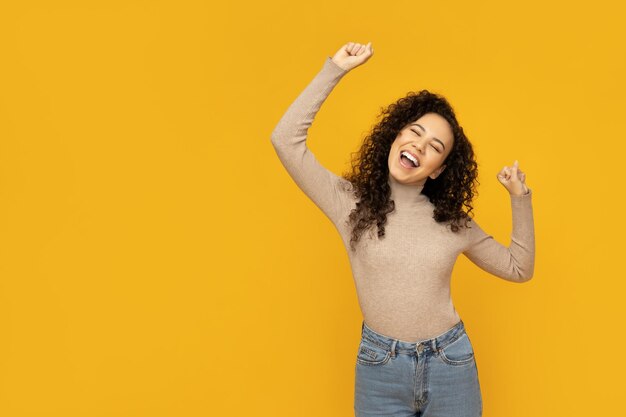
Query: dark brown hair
x,y
450,192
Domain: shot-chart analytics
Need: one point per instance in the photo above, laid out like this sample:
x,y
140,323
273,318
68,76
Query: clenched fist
x,y
352,55
513,179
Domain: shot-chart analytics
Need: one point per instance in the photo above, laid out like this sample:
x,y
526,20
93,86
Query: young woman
x,y
400,215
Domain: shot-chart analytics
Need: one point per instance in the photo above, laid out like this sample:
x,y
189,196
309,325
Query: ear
x,y
438,172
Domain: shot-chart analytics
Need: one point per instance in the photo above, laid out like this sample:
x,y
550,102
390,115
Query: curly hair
x,y
450,192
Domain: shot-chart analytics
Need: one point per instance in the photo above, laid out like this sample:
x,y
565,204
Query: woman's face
x,y
429,139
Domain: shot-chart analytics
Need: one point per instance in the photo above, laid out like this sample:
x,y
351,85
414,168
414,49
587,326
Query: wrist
x,y
521,194
341,68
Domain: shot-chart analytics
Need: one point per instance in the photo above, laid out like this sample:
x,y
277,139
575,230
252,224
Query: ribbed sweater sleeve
x,y
328,191
514,263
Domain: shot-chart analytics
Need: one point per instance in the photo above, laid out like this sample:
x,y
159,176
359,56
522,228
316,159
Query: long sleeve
x,y
514,263
328,191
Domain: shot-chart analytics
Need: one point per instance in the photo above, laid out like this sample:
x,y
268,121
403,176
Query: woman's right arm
x,y
327,190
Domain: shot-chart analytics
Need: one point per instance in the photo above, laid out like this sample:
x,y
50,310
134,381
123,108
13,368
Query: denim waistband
x,y
422,346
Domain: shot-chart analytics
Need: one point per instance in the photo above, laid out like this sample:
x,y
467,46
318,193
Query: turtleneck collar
x,y
406,195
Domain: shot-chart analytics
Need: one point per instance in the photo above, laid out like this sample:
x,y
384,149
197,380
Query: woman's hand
x,y
352,55
513,179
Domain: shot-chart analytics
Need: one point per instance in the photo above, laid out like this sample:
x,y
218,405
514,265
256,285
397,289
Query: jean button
x,y
420,348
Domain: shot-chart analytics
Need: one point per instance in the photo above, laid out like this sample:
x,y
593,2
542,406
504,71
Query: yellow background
x,y
156,259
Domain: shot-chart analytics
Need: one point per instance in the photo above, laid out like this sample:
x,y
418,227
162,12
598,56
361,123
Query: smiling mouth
x,y
406,162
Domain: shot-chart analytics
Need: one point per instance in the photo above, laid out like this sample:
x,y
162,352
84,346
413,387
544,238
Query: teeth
x,y
411,157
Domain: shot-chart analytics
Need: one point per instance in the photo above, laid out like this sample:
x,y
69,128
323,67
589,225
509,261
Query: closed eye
x,y
433,146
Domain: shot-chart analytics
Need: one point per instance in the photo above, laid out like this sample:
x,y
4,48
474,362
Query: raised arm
x,y
514,263
327,190
330,192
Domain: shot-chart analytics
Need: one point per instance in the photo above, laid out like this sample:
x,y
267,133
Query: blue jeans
x,y
436,377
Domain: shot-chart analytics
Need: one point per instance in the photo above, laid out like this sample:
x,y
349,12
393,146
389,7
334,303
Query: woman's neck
x,y
406,195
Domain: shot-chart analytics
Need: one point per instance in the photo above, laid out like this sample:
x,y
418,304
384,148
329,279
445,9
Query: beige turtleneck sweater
x,y
403,279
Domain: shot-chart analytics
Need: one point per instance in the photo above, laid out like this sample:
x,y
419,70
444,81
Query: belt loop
x,y
434,345
393,348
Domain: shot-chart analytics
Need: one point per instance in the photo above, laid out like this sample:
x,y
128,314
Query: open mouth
x,y
406,162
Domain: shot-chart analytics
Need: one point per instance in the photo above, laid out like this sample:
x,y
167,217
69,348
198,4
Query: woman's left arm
x,y
517,261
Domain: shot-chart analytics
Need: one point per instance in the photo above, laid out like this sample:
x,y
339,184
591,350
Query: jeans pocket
x,y
372,354
458,352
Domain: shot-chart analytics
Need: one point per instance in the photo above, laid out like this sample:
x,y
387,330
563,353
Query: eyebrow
x,y
419,125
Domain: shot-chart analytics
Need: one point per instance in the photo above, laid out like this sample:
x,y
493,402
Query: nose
x,y
418,146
